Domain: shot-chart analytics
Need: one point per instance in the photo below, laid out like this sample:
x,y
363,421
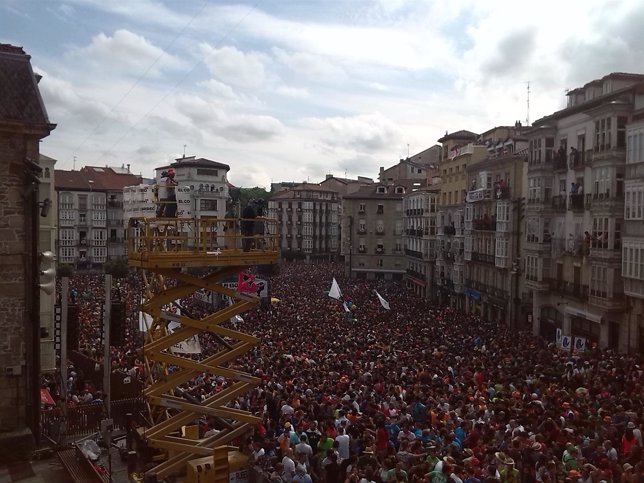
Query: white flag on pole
x,y
346,307
384,303
335,290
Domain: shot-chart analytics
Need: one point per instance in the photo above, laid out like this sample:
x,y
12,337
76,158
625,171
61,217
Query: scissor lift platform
x,y
164,248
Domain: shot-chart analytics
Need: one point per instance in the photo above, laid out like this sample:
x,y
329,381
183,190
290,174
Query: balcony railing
x,y
483,258
114,204
559,202
569,289
605,200
502,193
576,202
413,253
560,162
415,274
449,230
484,224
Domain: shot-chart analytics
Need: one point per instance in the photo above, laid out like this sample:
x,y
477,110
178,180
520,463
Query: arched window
x,y
46,175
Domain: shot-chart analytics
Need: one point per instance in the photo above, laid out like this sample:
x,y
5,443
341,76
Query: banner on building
x,y
558,336
566,343
580,345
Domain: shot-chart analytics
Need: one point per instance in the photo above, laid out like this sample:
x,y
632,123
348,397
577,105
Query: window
x,y
603,130
599,281
399,227
634,202
633,260
362,208
381,209
635,145
207,205
381,263
207,172
535,151
381,189
621,131
600,233
601,182
532,267
501,247
400,190
534,189
380,226
362,226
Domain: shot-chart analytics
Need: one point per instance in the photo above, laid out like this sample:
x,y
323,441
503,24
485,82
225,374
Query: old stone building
x,y
23,123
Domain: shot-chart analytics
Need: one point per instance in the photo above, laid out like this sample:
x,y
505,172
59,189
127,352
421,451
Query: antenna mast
x,y
527,119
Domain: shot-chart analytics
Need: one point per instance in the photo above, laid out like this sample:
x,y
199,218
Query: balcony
x,y
560,162
576,202
115,240
501,262
362,250
362,231
570,290
481,194
414,254
610,302
533,282
114,204
602,250
539,203
607,153
483,258
415,274
580,159
559,203
502,192
111,222
536,244
604,201
380,250
448,256
449,230
484,224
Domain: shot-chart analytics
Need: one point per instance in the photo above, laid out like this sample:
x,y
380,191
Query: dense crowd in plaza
x,y
417,393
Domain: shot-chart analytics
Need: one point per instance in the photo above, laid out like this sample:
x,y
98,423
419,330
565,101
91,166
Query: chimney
x,y
128,167
329,176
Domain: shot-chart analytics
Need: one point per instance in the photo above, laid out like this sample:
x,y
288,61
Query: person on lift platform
x,y
168,199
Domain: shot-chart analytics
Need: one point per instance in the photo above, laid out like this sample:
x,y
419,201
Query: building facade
x,y
420,207
91,229
48,232
373,222
307,217
633,246
459,149
575,215
23,123
493,217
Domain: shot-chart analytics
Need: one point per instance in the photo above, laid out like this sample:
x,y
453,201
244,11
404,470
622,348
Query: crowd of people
x,y
417,393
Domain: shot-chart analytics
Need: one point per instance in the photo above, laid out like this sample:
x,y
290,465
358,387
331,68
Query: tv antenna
x,y
527,119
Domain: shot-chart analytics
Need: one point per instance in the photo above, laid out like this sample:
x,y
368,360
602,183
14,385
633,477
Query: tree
x,y
64,271
118,267
247,194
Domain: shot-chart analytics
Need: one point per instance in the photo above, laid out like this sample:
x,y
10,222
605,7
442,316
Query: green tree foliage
x,y
118,267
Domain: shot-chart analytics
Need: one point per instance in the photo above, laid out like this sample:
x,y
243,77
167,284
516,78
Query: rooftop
x,y
459,135
94,178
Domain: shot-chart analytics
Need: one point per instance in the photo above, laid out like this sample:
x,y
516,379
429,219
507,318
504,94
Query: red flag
x,y
246,283
45,397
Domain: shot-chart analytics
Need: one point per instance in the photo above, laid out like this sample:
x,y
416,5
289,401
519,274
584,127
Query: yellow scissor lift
x,y
165,248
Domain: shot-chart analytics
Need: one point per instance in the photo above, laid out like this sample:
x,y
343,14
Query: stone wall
x,y
14,261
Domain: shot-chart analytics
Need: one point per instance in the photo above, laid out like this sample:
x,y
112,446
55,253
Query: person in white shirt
x,y
303,448
288,465
344,444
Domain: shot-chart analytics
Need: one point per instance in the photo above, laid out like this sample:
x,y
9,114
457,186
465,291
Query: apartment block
x,y
575,215
91,227
459,150
633,238
308,221
493,218
420,207
373,222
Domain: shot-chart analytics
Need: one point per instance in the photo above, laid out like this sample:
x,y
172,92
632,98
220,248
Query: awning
x,y
45,397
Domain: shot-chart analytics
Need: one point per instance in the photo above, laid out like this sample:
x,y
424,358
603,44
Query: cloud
x,y
225,124
127,53
233,66
309,66
364,132
294,92
513,52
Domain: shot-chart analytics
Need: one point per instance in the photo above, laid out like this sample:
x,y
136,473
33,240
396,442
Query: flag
x,y
384,303
189,346
335,290
246,283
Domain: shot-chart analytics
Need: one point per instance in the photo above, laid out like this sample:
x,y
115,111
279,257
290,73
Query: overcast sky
x,y
291,90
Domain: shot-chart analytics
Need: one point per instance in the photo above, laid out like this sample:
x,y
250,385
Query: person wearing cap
x,y
569,458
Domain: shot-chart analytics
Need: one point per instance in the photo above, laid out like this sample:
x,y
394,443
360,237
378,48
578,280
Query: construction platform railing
x,y
227,239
